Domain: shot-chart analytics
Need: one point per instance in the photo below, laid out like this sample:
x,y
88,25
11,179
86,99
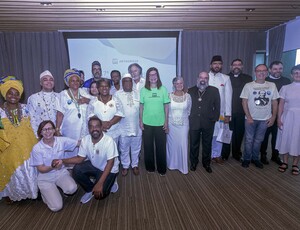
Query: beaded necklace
x,y
13,115
51,102
75,101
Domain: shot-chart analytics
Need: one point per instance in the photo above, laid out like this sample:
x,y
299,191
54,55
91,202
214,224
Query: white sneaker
x,y
115,187
86,197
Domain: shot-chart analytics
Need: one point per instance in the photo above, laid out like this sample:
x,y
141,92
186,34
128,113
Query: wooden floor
x,y
231,197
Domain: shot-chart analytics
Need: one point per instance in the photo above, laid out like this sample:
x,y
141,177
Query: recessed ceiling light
x,y
100,9
249,9
46,3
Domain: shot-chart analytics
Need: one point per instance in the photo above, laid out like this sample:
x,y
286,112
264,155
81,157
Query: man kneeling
x,y
102,163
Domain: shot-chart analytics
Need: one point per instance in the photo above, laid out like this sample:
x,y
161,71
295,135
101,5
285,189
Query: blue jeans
x,y
254,135
82,173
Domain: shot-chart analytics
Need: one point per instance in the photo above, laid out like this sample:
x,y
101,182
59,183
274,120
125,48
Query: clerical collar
x,y
270,76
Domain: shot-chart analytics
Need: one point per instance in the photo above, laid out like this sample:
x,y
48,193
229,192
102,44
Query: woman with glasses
x,y
154,111
17,178
50,176
288,121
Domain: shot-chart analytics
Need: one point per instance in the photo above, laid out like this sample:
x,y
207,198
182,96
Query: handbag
x,y
224,134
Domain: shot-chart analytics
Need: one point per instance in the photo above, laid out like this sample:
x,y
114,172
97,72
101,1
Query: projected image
x,y
118,54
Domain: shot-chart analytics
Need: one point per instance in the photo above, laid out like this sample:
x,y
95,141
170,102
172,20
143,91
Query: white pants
x,y
216,148
48,182
130,143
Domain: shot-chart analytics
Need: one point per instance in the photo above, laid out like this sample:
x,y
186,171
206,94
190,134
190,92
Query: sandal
x,y
283,167
295,170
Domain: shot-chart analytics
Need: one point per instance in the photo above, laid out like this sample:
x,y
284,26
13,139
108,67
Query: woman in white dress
x,y
177,138
107,108
73,104
288,121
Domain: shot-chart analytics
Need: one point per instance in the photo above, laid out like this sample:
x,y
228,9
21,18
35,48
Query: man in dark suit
x,y
205,112
275,76
237,124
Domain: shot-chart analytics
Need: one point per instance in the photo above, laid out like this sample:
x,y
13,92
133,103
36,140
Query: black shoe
x,y
277,160
237,158
193,167
208,169
258,164
245,164
225,158
264,160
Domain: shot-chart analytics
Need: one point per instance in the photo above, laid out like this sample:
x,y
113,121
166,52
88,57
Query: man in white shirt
x,y
102,163
131,135
222,82
136,72
43,105
260,106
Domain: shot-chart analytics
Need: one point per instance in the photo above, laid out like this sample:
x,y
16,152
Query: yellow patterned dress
x,y
17,178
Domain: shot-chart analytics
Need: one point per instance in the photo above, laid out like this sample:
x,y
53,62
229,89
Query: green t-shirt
x,y
154,101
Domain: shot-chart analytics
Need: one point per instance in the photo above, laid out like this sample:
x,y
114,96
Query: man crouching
x,y
102,163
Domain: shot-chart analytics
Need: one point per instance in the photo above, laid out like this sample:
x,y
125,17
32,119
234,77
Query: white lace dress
x,y
177,138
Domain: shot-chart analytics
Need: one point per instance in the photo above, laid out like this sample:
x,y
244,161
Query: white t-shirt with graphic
x,y
260,98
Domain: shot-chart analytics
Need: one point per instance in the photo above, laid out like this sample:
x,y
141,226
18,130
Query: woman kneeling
x,y
50,176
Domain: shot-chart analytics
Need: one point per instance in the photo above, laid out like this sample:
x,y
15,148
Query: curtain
x,y
198,47
27,54
275,43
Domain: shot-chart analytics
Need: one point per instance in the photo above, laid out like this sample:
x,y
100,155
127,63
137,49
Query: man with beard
x,y
222,82
97,74
237,124
136,72
275,76
102,163
205,112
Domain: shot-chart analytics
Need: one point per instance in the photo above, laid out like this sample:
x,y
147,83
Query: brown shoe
x,y
219,160
8,201
213,160
136,171
124,172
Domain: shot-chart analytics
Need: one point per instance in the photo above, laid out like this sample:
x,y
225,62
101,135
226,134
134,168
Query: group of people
x,y
93,126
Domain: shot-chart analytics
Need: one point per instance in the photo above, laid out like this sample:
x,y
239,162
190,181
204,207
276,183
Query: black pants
x,y
264,145
151,135
237,125
82,173
206,135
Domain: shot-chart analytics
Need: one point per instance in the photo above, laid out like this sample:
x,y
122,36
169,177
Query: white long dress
x,y
177,138
71,125
288,137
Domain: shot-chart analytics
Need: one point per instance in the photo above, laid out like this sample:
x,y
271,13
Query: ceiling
x,y
23,15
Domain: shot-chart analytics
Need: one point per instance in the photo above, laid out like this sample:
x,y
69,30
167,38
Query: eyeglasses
x,y
47,129
261,71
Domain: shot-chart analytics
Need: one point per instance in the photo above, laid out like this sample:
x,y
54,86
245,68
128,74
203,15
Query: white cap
x,y
46,73
127,75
